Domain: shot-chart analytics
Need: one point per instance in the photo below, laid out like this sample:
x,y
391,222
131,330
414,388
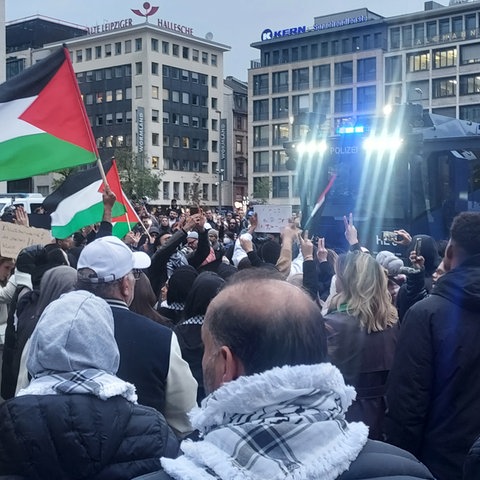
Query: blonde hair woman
x,y
362,334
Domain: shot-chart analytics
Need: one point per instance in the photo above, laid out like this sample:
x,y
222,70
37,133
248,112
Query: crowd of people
x,y
199,348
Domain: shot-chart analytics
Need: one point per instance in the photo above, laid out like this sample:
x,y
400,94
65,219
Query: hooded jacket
x,y
434,384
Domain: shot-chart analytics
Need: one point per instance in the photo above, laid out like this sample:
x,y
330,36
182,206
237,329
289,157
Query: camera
x,y
388,236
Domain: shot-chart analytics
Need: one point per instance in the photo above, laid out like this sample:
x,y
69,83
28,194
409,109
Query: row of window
x,y
108,96
312,51
129,46
299,79
119,71
279,108
114,141
279,186
187,190
435,31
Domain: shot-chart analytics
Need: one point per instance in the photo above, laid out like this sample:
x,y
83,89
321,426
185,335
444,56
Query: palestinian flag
x,y
78,203
44,122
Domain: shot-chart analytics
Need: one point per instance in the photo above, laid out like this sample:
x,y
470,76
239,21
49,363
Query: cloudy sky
x,y
236,24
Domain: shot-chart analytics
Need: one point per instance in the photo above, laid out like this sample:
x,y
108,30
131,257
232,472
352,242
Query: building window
x,y
166,117
300,103
155,116
88,99
119,117
470,53
343,73
98,120
214,103
213,59
367,69
261,162
138,91
109,119
280,107
108,50
128,93
431,31
445,58
393,69
128,117
118,48
470,85
260,84
128,46
417,62
215,146
470,112
280,133
108,96
214,81
88,53
280,187
260,136
79,54
300,79
260,110
185,53
155,139
419,33
118,94
175,96
165,48
279,159
99,97
138,44
98,52
407,37
444,87
185,75
321,102
166,190
175,50
366,98
154,68
344,100
280,82
395,37
321,75
204,57
138,68
155,92
195,55
195,122
238,144
154,44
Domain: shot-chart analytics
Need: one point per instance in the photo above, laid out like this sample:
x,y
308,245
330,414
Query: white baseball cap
x,y
110,259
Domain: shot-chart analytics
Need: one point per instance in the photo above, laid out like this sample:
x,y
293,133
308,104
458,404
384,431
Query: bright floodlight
x,y
382,144
312,147
387,110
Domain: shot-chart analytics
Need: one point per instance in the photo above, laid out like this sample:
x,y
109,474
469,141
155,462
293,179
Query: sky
x,y
236,24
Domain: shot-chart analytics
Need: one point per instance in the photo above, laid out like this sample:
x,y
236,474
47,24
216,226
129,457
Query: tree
x,y
262,186
195,191
137,180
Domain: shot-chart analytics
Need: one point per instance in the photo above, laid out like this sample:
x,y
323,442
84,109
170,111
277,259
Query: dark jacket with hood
x,y
89,438
434,384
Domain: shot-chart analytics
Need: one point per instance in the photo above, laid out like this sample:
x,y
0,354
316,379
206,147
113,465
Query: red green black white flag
x,y
44,123
78,203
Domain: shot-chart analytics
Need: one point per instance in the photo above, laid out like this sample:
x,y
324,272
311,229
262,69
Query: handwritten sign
x,y
14,238
272,218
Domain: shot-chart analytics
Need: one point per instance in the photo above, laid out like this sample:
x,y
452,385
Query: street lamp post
x,y
220,180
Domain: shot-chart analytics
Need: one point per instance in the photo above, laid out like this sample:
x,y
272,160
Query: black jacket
x,y
377,461
81,437
434,384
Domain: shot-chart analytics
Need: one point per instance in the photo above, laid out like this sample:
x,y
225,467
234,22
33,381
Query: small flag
x,y
78,203
44,123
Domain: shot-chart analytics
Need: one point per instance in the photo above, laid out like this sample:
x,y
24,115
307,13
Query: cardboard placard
x,y
272,218
14,238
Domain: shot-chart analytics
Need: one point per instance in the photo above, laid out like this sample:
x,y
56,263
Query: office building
x,y
344,68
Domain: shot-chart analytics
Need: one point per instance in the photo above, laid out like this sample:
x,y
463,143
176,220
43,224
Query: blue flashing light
x,y
350,130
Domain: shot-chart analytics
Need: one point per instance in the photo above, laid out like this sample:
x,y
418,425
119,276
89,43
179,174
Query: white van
x,y
29,201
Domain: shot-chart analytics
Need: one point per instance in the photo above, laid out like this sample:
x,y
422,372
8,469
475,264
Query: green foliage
x,y
195,191
61,175
262,188
137,180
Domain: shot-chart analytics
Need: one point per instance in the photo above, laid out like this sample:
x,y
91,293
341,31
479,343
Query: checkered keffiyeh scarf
x,y
89,381
286,423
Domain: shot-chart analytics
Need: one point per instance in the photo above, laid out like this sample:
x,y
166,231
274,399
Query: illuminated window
x,y
108,96
118,94
155,162
99,97
445,58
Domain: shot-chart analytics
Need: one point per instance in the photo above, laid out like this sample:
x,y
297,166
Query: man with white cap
x,y
150,356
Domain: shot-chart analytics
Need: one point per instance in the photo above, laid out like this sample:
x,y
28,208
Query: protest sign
x,y
272,218
14,238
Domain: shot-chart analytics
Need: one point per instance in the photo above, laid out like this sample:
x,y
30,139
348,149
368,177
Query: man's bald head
x,y
267,323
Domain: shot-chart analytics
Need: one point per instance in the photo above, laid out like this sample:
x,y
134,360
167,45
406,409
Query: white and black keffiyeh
x,y
286,423
89,382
